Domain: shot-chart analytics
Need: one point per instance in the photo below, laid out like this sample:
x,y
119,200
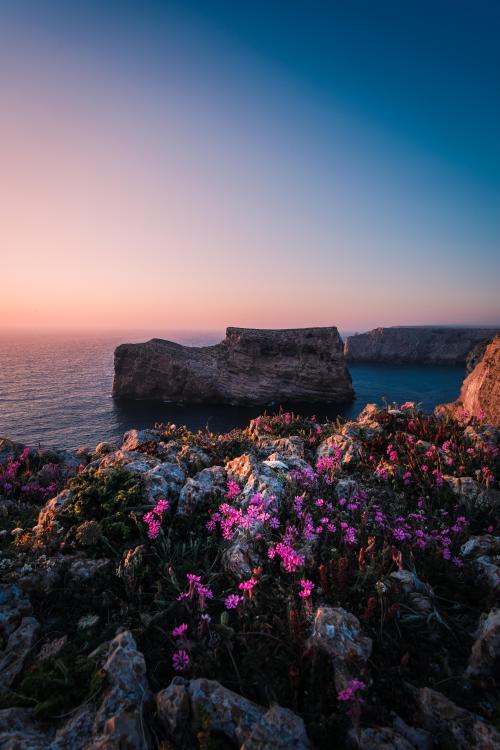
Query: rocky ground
x,y
290,585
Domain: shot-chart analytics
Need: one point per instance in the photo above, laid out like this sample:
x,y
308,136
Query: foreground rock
x,y
454,727
480,392
185,706
250,366
422,345
115,724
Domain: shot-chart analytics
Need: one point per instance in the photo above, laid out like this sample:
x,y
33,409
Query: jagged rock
x,y
85,569
174,707
254,477
14,605
417,737
50,510
289,447
161,478
453,727
348,444
278,729
18,647
415,344
118,722
486,648
482,434
486,544
206,485
484,552
380,738
480,392
185,705
195,459
20,731
239,559
250,366
133,439
473,494
338,634
103,449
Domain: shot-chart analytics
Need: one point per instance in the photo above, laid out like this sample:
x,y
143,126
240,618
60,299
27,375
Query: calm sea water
x,y
55,390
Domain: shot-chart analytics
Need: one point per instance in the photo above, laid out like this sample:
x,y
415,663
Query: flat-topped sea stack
x,y
249,367
433,345
480,392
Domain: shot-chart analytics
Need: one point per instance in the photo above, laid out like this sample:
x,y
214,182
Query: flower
x,y
350,692
232,601
180,660
180,630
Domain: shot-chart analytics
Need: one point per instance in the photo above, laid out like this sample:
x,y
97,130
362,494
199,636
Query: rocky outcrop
x,y
416,345
249,367
480,392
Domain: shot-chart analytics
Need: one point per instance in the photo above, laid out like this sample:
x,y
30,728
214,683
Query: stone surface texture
x,y
250,366
418,345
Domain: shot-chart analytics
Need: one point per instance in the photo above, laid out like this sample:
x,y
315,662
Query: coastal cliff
x,y
416,345
250,366
480,392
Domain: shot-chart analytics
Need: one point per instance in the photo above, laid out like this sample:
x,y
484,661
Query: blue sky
x,y
272,164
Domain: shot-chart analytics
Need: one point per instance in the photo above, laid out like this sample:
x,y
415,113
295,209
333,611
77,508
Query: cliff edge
x,y
480,392
250,366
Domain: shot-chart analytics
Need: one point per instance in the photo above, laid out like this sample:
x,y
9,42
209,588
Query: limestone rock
x,y
207,484
480,392
380,738
254,477
184,705
473,494
19,645
484,553
486,648
133,439
452,726
250,366
415,344
338,634
278,729
14,605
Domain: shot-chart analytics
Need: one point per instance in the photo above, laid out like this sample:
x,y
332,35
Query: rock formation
x,y
416,345
480,392
249,367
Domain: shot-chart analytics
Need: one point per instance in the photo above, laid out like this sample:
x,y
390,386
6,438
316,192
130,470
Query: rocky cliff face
x,y
418,345
480,392
250,366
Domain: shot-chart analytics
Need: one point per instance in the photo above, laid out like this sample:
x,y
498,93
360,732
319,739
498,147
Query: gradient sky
x,y
194,165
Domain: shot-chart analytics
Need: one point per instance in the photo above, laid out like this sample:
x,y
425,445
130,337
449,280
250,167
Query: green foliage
x,y
100,512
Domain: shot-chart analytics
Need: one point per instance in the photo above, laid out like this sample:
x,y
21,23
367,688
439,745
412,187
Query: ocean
x,y
55,390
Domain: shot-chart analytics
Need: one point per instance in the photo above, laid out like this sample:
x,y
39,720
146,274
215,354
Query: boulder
x,y
133,439
249,367
254,477
206,485
473,494
452,726
486,648
337,633
18,647
185,707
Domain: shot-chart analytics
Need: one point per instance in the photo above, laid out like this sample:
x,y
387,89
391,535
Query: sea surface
x,y
55,390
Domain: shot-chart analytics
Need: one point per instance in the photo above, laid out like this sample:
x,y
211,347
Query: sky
x,y
191,165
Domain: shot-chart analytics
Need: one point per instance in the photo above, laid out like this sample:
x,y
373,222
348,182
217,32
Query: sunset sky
x,y
192,165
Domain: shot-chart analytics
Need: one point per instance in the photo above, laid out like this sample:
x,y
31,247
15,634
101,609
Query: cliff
x,y
416,345
480,392
250,366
